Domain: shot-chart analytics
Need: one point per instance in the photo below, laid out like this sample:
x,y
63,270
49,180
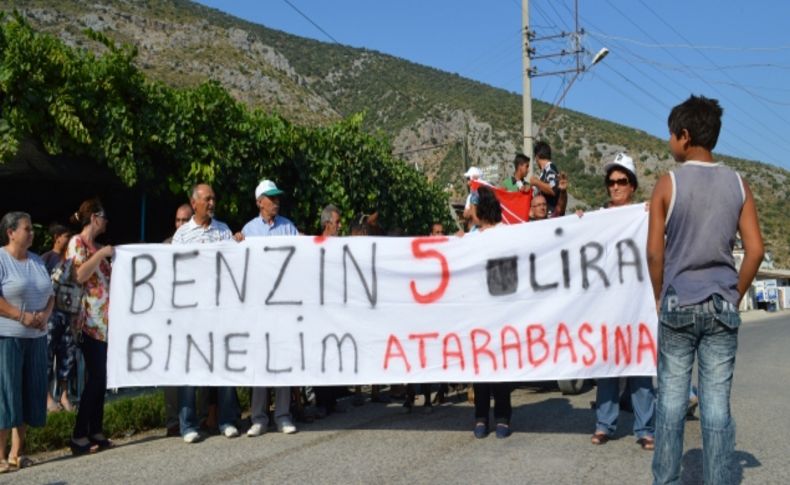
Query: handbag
x,y
68,293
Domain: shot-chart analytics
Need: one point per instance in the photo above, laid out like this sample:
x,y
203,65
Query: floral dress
x,y
93,315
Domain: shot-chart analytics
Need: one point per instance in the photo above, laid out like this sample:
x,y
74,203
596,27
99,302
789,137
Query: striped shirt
x,y
192,232
25,283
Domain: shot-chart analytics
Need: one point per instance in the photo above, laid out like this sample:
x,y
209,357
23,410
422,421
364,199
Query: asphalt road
x,y
384,444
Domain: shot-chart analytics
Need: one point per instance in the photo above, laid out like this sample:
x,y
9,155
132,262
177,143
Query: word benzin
x,y
558,299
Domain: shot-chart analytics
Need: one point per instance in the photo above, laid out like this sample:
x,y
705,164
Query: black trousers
x,y
91,410
501,394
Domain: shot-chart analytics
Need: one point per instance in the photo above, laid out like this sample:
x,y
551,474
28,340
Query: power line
x,y
690,46
728,131
779,138
354,54
758,98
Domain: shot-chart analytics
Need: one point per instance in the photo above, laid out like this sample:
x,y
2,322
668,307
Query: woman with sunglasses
x,y
621,183
91,264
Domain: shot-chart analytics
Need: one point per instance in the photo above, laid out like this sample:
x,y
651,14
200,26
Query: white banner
x,y
557,299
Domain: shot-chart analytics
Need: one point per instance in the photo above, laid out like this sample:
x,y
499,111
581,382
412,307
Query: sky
x,y
660,53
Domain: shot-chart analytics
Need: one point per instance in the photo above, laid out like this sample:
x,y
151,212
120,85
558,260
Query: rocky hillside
x,y
436,120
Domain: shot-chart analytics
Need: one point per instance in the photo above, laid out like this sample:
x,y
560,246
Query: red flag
x,y
515,205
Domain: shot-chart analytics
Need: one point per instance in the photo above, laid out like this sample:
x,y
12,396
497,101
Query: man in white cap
x,y
269,223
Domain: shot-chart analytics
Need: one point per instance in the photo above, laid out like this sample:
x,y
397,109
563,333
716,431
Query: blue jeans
x,y
643,401
227,408
709,331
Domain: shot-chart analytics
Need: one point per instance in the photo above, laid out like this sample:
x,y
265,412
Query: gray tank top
x,y
700,232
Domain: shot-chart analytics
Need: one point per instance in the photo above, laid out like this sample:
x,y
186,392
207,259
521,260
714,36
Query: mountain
x,y
436,120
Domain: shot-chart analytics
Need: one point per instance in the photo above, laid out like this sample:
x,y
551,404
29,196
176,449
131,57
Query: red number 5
x,y
419,253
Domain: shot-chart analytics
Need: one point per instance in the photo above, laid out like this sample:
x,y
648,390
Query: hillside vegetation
x,y
315,83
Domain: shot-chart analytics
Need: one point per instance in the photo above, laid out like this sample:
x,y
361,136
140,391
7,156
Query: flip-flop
x,y
20,462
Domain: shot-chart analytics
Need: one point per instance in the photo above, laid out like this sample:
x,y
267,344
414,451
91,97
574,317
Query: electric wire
x,y
779,138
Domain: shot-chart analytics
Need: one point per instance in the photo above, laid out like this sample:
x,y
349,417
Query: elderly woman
x,y
92,266
26,301
488,214
621,183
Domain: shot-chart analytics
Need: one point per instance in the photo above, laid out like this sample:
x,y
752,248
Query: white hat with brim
x,y
622,161
267,188
473,173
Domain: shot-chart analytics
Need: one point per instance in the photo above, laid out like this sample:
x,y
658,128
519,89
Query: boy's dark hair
x,y
542,150
520,159
56,229
701,117
488,209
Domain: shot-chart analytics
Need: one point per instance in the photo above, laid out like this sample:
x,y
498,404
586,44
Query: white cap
x,y
473,173
267,188
623,161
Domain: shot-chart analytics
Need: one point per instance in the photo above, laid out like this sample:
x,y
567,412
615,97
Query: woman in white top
x,y
26,301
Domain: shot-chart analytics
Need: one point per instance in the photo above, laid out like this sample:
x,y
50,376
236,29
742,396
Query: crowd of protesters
x,y
38,334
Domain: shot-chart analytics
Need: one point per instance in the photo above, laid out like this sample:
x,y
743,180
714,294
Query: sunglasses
x,y
621,182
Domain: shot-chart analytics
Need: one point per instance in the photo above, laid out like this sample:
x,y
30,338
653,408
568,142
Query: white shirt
x,y
192,232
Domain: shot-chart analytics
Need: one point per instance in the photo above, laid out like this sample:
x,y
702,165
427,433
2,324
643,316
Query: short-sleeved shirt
x,y
23,284
511,184
192,232
51,260
550,176
93,316
281,226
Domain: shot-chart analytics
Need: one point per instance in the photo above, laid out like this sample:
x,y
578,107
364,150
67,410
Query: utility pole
x,y
526,80
577,50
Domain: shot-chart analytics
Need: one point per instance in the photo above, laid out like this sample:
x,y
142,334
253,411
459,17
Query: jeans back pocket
x,y
671,314
725,312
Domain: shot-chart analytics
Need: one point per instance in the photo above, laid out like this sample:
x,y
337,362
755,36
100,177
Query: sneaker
x,y
481,430
229,431
192,437
286,426
502,430
255,430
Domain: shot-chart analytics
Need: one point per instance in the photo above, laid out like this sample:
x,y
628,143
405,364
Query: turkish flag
x,y
515,205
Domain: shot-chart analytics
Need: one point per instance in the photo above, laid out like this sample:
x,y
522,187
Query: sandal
x,y
20,462
54,407
4,467
647,443
101,442
78,449
599,438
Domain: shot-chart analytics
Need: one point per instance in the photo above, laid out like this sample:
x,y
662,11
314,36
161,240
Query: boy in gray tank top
x,y
695,212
